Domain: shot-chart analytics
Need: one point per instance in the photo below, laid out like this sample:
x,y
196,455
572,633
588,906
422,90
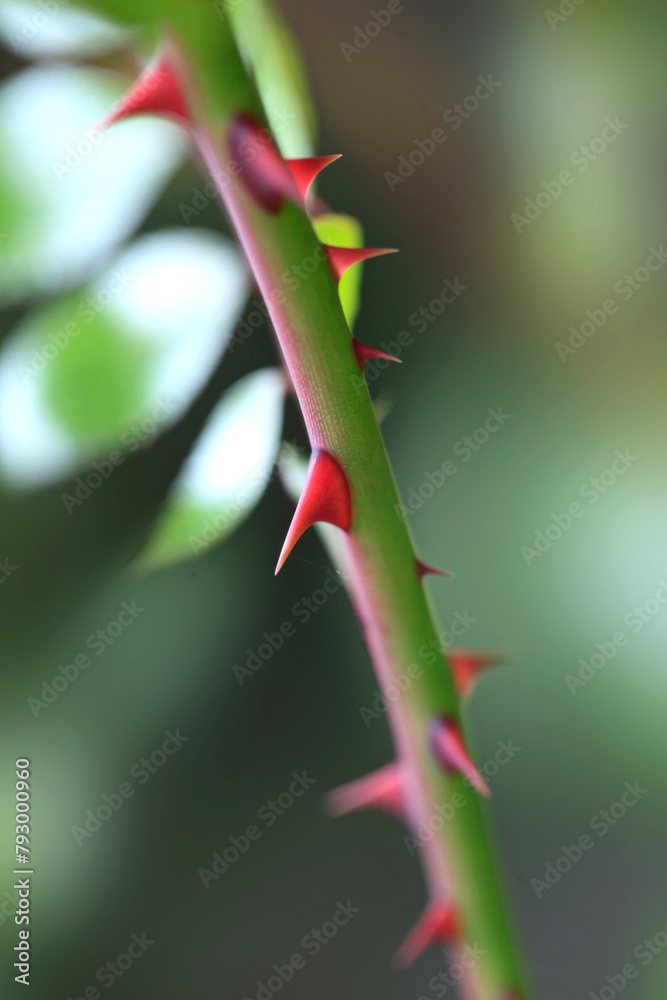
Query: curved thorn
x,y
326,497
383,789
342,258
364,353
158,91
304,171
449,749
467,666
437,925
423,569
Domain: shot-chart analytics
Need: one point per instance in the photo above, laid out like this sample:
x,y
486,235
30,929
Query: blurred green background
x,y
558,79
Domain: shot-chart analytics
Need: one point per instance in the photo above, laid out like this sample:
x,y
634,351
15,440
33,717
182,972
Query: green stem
x,y
387,594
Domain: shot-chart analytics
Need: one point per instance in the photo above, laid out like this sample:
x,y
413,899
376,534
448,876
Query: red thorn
x,y
467,667
448,747
326,497
383,789
306,170
263,171
158,91
341,258
364,353
423,570
437,925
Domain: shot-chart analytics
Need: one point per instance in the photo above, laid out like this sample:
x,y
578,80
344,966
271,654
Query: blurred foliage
x,y
227,473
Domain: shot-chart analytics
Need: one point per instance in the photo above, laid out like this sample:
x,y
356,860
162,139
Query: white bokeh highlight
x,y
84,191
56,28
186,290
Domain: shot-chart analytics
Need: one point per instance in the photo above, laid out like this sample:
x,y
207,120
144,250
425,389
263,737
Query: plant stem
x,y
387,593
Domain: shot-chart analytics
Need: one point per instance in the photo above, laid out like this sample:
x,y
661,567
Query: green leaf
x,y
225,474
108,366
344,231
